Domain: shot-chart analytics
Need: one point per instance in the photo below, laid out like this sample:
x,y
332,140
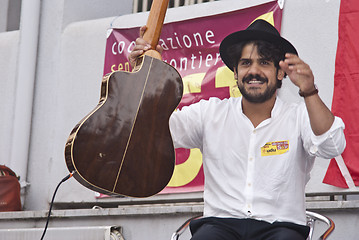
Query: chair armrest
x,y
312,217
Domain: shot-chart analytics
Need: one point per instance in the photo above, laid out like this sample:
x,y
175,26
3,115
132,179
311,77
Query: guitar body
x,y
124,145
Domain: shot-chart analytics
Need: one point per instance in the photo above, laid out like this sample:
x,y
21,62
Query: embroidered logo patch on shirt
x,y
275,148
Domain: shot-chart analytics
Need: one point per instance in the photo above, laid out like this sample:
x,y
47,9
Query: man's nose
x,y
254,69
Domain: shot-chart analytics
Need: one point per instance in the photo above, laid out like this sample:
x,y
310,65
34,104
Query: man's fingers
x,y
140,47
159,49
284,66
298,68
141,44
136,53
292,63
143,30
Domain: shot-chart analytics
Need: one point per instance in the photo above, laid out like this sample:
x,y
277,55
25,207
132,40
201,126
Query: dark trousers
x,y
245,229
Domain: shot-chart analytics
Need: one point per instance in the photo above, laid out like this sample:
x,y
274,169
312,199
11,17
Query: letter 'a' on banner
x,y
192,47
343,171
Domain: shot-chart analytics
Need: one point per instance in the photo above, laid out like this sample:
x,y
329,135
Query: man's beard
x,y
257,98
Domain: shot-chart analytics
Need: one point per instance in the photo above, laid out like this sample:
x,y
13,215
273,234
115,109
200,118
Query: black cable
x,y
52,202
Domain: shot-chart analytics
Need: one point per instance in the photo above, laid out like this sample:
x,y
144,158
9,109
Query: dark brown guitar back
x,y
124,145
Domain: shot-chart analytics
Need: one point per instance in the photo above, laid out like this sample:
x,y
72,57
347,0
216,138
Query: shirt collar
x,y
275,111
276,108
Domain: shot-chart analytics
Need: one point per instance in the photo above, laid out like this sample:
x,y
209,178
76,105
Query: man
x,y
257,149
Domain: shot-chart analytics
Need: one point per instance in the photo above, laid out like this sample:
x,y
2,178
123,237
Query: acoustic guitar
x,y
124,145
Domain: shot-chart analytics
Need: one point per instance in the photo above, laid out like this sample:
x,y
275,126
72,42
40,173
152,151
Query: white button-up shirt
x,y
252,172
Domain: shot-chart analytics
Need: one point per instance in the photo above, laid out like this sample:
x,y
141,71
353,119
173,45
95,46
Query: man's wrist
x,y
309,93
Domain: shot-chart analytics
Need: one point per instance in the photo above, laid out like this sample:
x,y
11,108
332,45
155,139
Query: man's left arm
x,y
321,118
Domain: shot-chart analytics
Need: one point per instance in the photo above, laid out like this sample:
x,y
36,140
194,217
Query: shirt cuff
x,y
338,124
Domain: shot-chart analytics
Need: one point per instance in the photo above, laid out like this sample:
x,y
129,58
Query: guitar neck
x,y
155,22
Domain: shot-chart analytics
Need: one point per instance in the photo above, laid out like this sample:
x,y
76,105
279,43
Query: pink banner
x,y
191,46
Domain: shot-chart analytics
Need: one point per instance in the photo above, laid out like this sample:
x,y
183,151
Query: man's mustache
x,y
250,77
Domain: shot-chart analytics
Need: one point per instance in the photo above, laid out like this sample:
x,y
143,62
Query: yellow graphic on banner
x,y
225,78
185,172
274,148
192,83
268,17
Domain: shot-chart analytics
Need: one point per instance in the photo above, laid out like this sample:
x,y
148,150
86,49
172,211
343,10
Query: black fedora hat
x,y
258,30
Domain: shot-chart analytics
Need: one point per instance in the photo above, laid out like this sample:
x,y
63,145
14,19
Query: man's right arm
x,y
185,126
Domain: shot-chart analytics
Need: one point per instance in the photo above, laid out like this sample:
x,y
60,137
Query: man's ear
x,y
280,74
235,73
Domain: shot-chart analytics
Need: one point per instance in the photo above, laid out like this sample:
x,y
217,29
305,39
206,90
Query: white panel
x,y
69,233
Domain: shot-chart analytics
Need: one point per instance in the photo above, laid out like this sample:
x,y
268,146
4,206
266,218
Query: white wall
x,y
3,14
8,63
69,71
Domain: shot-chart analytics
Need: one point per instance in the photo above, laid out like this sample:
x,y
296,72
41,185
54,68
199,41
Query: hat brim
x,y
250,35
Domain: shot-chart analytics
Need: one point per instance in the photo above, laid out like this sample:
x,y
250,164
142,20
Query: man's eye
x,y
245,63
264,62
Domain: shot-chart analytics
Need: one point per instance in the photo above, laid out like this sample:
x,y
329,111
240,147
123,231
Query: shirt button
x,y
254,131
251,159
249,184
313,149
